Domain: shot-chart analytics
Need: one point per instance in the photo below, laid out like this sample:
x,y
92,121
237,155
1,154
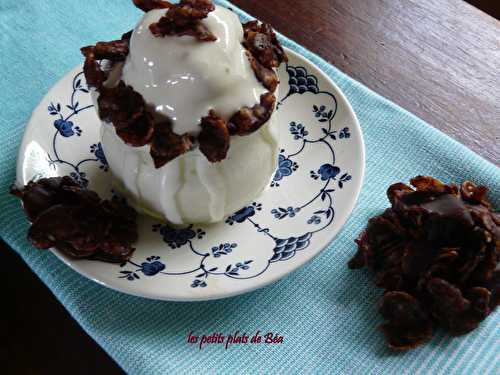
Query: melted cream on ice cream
x,y
183,78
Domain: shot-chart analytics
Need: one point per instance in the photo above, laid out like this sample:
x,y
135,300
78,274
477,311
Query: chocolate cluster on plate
x,y
125,108
435,252
75,221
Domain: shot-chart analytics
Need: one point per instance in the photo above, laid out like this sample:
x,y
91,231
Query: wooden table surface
x,y
438,59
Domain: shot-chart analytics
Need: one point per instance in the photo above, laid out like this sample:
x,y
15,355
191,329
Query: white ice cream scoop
x,y
183,79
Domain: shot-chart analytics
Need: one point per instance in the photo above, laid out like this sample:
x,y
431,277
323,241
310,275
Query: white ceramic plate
x,y
313,192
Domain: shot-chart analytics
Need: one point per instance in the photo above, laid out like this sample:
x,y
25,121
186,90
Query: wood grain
x,y
491,7
438,59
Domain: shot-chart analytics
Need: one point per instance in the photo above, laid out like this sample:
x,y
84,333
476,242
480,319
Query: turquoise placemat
x,y
326,313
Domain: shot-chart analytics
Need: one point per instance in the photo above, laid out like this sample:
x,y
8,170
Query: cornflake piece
x,y
147,5
248,120
47,192
266,76
126,110
166,145
474,194
76,221
261,41
185,19
408,325
94,76
437,248
115,51
214,137
457,312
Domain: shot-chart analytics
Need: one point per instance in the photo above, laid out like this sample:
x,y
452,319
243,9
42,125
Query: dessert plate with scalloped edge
x,y
313,192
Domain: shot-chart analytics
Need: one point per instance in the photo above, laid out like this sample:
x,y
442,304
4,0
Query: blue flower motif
x,y
65,128
327,171
129,275
198,283
315,219
318,111
152,268
298,130
235,271
243,214
223,249
285,168
281,212
54,109
321,114
344,133
174,237
343,179
244,266
314,175
98,152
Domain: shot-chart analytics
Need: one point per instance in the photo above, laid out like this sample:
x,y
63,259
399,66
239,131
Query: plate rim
x,y
273,277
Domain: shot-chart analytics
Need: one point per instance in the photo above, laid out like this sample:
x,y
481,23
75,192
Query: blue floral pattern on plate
x,y
291,220
285,248
67,129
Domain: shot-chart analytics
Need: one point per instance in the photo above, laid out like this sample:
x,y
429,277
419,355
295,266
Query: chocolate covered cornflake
x,y
126,110
268,77
166,145
435,252
147,5
94,75
264,52
114,51
408,324
248,120
261,41
75,221
214,137
185,19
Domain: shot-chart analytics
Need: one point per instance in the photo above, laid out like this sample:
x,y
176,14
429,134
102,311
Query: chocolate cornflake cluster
x,y
435,252
214,137
126,109
167,145
147,5
266,76
76,221
185,19
264,52
260,39
114,51
246,120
